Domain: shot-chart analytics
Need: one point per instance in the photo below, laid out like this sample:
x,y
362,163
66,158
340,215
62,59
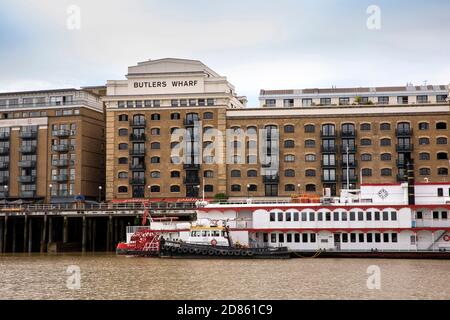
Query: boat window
x,y
223,233
303,216
313,237
328,216
297,237
311,216
369,216
377,215
361,237
385,216
393,215
280,216
304,237
319,216
352,216
273,237
360,216
216,233
296,216
205,234
288,217
272,216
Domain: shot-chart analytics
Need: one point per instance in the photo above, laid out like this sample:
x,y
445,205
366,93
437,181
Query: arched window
x,y
310,188
208,174
155,116
155,174
328,130
385,126
442,171
310,173
123,117
424,126
385,142
289,144
252,173
208,116
138,119
122,189
252,130
172,130
424,141
310,143
209,188
175,174
424,156
424,171
123,132
441,140
123,175
155,131
155,189
236,173
441,126
310,128
235,188
385,172
365,127
289,173
385,157
175,116
442,156
289,158
123,160
191,118
174,188
310,158
366,172
155,160
155,145
252,187
348,129
289,129
123,146
289,188
366,157
366,142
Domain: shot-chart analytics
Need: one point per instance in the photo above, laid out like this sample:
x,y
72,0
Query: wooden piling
x,y
2,222
83,235
65,230
94,233
30,236
44,235
25,234
14,235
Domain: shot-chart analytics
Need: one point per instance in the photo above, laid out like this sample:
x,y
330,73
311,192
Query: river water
x,y
105,276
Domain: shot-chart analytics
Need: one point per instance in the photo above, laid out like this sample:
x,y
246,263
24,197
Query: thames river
x,y
104,276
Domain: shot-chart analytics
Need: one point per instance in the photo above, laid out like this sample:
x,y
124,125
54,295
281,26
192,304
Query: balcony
x,y
405,132
190,122
60,178
137,181
137,166
137,152
351,149
348,134
28,194
401,163
27,164
60,147
137,137
351,164
191,180
28,149
329,149
4,150
329,179
4,179
4,165
405,148
191,166
26,179
61,133
328,164
402,178
3,194
60,163
28,134
324,134
4,135
352,178
138,123
271,179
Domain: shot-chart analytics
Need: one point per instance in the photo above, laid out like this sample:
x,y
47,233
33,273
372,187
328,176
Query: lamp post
x,y
5,190
50,186
248,191
100,193
299,188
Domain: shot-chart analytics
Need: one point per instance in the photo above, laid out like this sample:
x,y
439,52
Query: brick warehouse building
x,y
385,129
311,133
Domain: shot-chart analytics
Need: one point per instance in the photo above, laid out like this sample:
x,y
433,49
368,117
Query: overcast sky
x,y
256,44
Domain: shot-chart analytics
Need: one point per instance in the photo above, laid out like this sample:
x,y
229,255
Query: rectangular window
x,y
335,216
385,216
280,216
352,237
377,215
385,237
444,214
156,103
361,237
319,216
369,216
311,216
306,102
288,216
281,237
289,237
393,216
344,101
313,237
394,237
345,237
297,237
419,215
272,216
369,237
296,217
440,192
273,237
352,216
325,101
265,237
377,237
435,214
360,216
304,237
304,216
344,216
413,240
327,216
383,100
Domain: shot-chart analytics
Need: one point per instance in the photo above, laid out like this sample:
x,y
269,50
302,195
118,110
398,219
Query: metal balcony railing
x,y
60,147
28,134
405,132
60,178
60,163
138,123
137,137
61,133
26,179
28,149
4,179
27,164
191,180
137,166
271,179
137,152
137,181
405,148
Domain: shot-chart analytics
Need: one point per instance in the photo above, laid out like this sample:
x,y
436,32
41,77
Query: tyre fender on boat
x,y
214,242
447,238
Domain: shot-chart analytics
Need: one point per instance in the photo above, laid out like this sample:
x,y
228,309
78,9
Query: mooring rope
x,y
314,256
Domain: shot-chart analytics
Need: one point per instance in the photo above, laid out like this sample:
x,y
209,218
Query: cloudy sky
x,y
256,44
